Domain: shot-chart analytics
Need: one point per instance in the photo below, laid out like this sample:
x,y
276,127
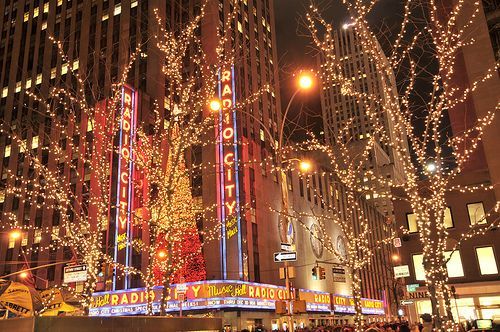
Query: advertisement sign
x,y
17,299
401,271
204,295
228,177
124,179
75,273
345,304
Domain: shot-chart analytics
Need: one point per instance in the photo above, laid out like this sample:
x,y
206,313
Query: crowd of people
x,y
373,327
425,326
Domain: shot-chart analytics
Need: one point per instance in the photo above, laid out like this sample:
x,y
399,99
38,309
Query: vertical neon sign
x,y
124,189
228,177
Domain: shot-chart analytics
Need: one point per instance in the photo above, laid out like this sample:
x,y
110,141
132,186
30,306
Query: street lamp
x,y
395,258
15,234
305,81
215,105
305,166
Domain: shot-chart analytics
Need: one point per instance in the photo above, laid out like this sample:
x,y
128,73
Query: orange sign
x,y
345,304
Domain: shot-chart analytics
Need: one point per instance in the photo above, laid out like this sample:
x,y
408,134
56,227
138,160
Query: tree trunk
x,y
356,295
164,295
149,305
440,301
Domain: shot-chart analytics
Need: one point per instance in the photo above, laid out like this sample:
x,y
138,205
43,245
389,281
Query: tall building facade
x,y
344,118
98,38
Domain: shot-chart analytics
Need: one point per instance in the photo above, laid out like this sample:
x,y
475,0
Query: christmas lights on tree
x,y
424,29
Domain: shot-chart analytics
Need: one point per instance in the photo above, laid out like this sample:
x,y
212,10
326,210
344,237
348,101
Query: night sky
x,y
295,51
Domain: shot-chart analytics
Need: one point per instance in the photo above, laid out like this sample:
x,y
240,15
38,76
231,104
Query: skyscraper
x,y
98,38
346,119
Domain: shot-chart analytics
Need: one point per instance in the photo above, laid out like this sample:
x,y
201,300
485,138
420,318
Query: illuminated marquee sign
x,y
205,295
227,179
124,189
345,304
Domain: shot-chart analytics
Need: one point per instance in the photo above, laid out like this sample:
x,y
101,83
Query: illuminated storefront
x,y
241,304
472,301
345,305
205,296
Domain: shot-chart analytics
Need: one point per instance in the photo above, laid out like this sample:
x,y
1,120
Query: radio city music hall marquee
x,y
205,295
228,172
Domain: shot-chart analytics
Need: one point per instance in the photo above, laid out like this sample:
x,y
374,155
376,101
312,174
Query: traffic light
x,y
322,273
315,272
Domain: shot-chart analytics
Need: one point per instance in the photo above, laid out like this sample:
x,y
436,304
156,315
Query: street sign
x,y
181,288
338,274
287,247
401,271
416,295
406,302
396,242
285,256
75,273
412,287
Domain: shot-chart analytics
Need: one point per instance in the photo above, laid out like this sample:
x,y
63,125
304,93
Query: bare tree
x,y
68,168
423,51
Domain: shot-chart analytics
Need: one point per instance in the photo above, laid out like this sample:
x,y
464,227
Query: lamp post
x,y
305,81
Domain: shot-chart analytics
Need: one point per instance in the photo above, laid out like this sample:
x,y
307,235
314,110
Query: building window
x,y
487,261
476,213
418,265
411,220
448,218
489,306
453,266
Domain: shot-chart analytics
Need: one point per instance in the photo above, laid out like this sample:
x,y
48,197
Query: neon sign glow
x,y
204,295
124,190
228,183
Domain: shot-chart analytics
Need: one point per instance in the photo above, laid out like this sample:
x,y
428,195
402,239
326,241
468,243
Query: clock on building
x,y
341,246
316,236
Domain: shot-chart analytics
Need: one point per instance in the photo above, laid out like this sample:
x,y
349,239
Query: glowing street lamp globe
x,y
305,81
215,105
305,165
15,234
